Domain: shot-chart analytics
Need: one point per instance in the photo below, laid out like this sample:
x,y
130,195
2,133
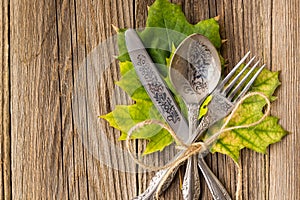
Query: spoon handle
x,y
191,180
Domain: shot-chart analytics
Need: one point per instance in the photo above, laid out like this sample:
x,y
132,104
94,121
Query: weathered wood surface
x,y
43,44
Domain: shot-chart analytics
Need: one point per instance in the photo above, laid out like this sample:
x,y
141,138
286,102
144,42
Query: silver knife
x,y
154,85
156,89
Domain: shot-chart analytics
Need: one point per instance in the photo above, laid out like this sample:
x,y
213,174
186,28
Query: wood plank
x,y
284,171
5,189
35,104
73,157
248,29
93,26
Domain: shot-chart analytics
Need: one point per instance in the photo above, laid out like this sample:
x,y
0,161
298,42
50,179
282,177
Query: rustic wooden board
x,y
5,161
43,49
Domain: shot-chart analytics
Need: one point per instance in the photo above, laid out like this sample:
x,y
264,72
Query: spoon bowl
x,y
195,68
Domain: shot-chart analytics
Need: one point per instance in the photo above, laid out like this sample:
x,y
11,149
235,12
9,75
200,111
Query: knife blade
x,y
155,85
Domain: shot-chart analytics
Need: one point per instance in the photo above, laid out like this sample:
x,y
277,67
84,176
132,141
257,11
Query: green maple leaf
x,y
258,137
171,28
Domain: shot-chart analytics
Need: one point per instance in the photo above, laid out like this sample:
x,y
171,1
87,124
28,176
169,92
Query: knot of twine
x,y
194,148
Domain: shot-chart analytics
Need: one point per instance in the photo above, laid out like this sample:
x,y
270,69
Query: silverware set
x,y
194,72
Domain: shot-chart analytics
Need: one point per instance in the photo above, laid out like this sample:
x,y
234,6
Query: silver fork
x,y
224,98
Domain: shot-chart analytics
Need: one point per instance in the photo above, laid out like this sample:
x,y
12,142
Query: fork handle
x,y
218,108
216,188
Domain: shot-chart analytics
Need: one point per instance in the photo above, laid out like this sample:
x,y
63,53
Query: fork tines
x,y
231,93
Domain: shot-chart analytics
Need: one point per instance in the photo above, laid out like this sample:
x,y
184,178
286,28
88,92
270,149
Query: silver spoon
x,y
194,72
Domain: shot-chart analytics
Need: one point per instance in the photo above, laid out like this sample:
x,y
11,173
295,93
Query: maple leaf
x,y
258,137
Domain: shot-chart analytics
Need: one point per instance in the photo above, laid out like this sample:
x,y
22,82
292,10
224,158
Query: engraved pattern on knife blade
x,y
157,89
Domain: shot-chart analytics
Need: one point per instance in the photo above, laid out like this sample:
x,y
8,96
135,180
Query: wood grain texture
x,y
50,147
5,164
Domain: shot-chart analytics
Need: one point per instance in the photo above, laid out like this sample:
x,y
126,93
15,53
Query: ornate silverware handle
x,y
191,180
215,186
218,108
151,189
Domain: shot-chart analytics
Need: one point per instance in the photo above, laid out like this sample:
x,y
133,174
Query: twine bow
x,y
194,148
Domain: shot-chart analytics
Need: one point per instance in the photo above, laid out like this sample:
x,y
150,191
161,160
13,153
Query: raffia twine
x,y
197,147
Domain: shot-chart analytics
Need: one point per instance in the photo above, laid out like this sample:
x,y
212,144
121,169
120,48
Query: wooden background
x,y
42,46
